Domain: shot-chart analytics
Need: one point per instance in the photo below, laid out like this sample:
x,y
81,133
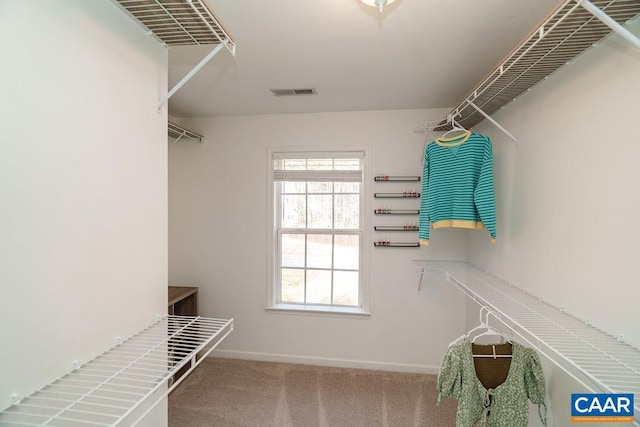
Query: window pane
x,y
292,285
320,187
319,250
320,211
293,250
320,164
293,164
294,187
345,288
347,211
347,252
318,287
293,211
347,187
347,164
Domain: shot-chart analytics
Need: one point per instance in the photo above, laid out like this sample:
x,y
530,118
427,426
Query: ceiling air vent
x,y
293,92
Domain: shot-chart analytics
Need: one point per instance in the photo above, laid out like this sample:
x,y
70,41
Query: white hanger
x,y
466,336
489,331
455,127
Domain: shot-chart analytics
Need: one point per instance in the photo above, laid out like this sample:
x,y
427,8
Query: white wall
x,y
218,241
568,196
83,169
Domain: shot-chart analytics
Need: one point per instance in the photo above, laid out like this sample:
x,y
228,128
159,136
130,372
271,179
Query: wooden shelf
x,y
183,300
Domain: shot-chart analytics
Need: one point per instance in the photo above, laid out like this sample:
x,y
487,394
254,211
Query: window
x,y
317,230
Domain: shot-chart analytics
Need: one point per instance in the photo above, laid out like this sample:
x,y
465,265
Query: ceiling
x,y
415,54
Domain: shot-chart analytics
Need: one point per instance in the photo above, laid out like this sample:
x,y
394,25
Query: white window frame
x,y
273,250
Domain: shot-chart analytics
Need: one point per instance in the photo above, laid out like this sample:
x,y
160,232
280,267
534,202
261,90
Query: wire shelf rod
x,y
39,411
140,370
62,401
70,412
113,363
97,382
60,393
101,378
601,371
26,408
149,359
118,356
94,372
124,401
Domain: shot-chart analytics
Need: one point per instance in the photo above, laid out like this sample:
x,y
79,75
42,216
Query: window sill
x,y
319,310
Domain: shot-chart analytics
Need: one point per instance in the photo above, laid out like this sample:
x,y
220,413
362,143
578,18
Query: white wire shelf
x,y
600,361
110,389
569,31
178,132
178,22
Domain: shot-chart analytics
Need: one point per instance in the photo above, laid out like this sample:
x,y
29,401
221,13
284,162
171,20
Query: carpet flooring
x,y
234,393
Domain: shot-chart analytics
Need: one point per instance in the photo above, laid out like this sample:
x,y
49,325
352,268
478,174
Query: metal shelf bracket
x,y
191,73
488,117
610,22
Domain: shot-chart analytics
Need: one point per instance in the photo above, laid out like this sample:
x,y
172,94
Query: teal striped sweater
x,y
457,185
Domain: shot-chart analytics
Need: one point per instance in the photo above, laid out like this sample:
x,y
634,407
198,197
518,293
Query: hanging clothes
x,y
504,405
457,185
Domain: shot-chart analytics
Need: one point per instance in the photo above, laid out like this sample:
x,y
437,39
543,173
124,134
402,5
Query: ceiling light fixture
x,y
380,4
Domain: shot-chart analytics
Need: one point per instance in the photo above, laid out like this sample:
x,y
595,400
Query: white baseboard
x,y
321,361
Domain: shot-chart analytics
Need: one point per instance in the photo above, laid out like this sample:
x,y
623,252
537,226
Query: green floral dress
x,y
503,406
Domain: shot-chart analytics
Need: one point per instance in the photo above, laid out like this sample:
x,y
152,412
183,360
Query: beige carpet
x,y
229,393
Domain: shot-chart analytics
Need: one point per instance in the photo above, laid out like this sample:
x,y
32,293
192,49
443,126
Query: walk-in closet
x,y
356,212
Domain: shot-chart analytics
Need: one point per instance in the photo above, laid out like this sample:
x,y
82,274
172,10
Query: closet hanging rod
x,y
574,27
178,132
